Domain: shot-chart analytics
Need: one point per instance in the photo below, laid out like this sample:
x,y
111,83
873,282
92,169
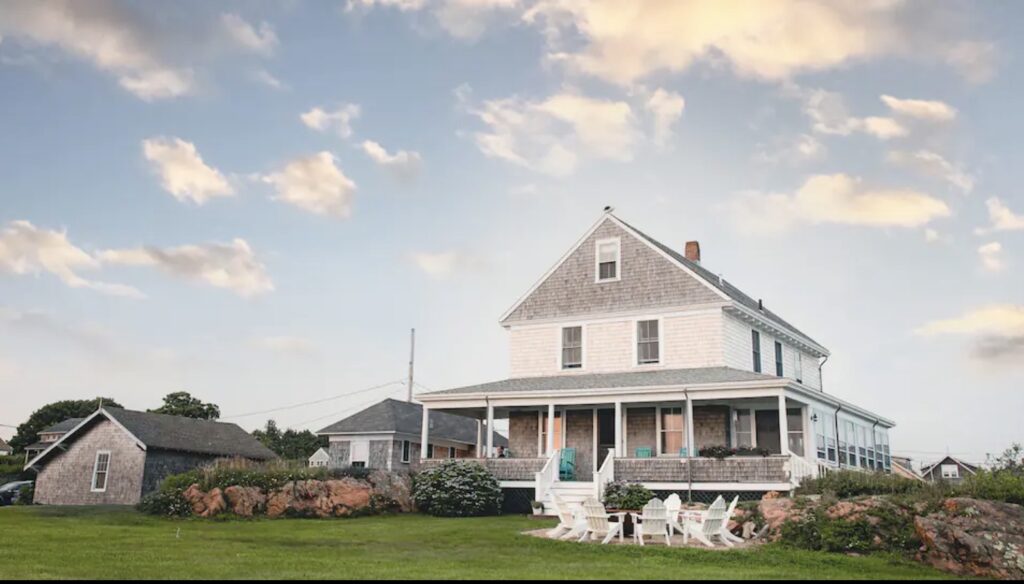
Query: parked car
x,y
10,492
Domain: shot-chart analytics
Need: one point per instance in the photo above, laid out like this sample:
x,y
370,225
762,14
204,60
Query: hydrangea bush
x,y
457,489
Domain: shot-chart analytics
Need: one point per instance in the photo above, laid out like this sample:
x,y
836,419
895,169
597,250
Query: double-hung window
x,y
572,347
406,451
755,343
778,359
608,259
648,348
744,428
544,431
672,427
451,452
798,374
100,470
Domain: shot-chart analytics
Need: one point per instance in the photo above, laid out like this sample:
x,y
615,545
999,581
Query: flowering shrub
x,y
622,495
457,489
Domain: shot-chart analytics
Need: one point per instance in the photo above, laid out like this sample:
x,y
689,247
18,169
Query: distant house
x,y
387,435
117,456
5,448
903,466
950,470
50,435
320,458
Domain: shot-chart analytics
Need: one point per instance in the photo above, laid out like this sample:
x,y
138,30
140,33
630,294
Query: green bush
x,y
1003,486
851,483
26,495
457,489
623,495
880,530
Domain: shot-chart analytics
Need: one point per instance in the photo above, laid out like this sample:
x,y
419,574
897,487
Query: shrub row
x,y
990,485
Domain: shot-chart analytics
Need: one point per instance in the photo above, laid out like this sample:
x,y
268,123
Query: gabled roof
x,y
61,427
971,468
178,433
4,445
394,416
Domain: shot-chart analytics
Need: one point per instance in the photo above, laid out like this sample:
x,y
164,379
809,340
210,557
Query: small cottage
x,y
116,456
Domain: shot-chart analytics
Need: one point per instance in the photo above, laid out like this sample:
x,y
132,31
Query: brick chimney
x,y
693,251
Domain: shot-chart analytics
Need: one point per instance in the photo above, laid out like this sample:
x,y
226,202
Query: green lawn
x,y
43,542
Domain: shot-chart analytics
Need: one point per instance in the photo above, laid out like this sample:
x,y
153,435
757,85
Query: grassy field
x,y
104,543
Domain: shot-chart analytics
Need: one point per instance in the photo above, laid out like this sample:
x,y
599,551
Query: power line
x,y
331,415
310,403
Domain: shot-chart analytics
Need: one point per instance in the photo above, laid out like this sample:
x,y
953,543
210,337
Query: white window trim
x,y
954,475
658,430
106,474
352,451
636,342
618,259
583,347
542,428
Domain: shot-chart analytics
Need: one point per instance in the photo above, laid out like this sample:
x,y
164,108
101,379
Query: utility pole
x,y
412,359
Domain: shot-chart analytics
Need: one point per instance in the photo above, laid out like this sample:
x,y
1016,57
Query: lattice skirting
x,y
517,501
709,497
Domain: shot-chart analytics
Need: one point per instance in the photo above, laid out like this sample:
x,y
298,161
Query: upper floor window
x,y
608,259
647,345
798,372
778,359
950,471
100,470
755,341
572,347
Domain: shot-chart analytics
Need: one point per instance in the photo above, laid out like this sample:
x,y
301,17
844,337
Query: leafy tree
x,y
290,444
54,413
1011,461
181,403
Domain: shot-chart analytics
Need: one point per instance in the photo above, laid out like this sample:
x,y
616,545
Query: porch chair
x,y
571,520
598,523
673,505
726,534
643,452
567,464
684,452
652,521
710,528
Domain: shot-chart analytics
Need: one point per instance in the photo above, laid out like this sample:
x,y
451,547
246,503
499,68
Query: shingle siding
x,y
579,434
161,464
522,434
738,352
649,280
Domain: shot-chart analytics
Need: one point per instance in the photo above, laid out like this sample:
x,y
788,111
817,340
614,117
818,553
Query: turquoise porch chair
x,y
684,452
567,464
643,452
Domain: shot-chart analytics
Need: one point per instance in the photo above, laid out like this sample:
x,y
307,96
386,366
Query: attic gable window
x,y
609,256
100,470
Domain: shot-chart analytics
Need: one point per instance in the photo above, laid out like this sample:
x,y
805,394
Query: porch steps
x,y
572,492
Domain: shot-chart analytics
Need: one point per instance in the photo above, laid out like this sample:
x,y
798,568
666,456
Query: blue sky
x,y
255,201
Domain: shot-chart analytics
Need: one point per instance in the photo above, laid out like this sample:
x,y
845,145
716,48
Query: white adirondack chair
x,y
572,522
673,504
652,521
726,534
709,529
598,523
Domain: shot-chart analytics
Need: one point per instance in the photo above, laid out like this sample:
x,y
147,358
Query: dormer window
x,y
608,259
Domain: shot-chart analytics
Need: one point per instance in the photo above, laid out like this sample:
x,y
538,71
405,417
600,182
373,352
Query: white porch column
x,y
425,433
550,446
490,431
690,446
479,438
783,425
618,429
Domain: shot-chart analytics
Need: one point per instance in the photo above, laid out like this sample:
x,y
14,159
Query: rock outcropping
x,y
970,537
337,498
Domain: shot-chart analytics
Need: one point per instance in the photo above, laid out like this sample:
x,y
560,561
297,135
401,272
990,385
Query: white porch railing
x,y
801,469
605,475
547,475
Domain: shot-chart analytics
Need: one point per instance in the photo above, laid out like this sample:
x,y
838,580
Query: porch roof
x,y
632,379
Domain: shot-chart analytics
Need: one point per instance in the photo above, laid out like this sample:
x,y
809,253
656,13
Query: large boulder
x,y
312,498
776,511
205,504
971,537
245,501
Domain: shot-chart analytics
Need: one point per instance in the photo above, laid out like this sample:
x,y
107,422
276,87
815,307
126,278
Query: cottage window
x,y
819,434
795,422
608,256
360,452
451,452
572,347
843,450
406,451
744,428
648,350
755,342
430,451
672,431
851,436
799,368
950,471
862,446
778,359
100,470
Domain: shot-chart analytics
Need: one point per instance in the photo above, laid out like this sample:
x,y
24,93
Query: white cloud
x,y
403,164
828,114
932,164
931,235
926,110
26,249
263,41
266,78
287,345
315,184
1002,218
837,199
997,329
340,119
462,19
974,60
666,107
442,265
110,36
794,151
991,256
183,172
552,135
233,265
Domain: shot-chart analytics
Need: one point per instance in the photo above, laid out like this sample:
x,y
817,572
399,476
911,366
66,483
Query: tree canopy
x,y
181,403
290,444
54,413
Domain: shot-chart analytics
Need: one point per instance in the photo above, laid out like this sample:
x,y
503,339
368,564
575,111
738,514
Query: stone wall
x,y
522,434
641,430
739,469
711,426
579,434
66,479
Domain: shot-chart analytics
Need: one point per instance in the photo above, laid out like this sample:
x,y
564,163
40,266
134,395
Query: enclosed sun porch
x,y
732,438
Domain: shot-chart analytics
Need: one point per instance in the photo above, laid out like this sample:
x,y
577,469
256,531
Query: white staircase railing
x,y
547,476
605,475
801,469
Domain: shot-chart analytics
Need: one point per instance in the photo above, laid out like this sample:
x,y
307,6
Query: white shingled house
x,y
630,360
